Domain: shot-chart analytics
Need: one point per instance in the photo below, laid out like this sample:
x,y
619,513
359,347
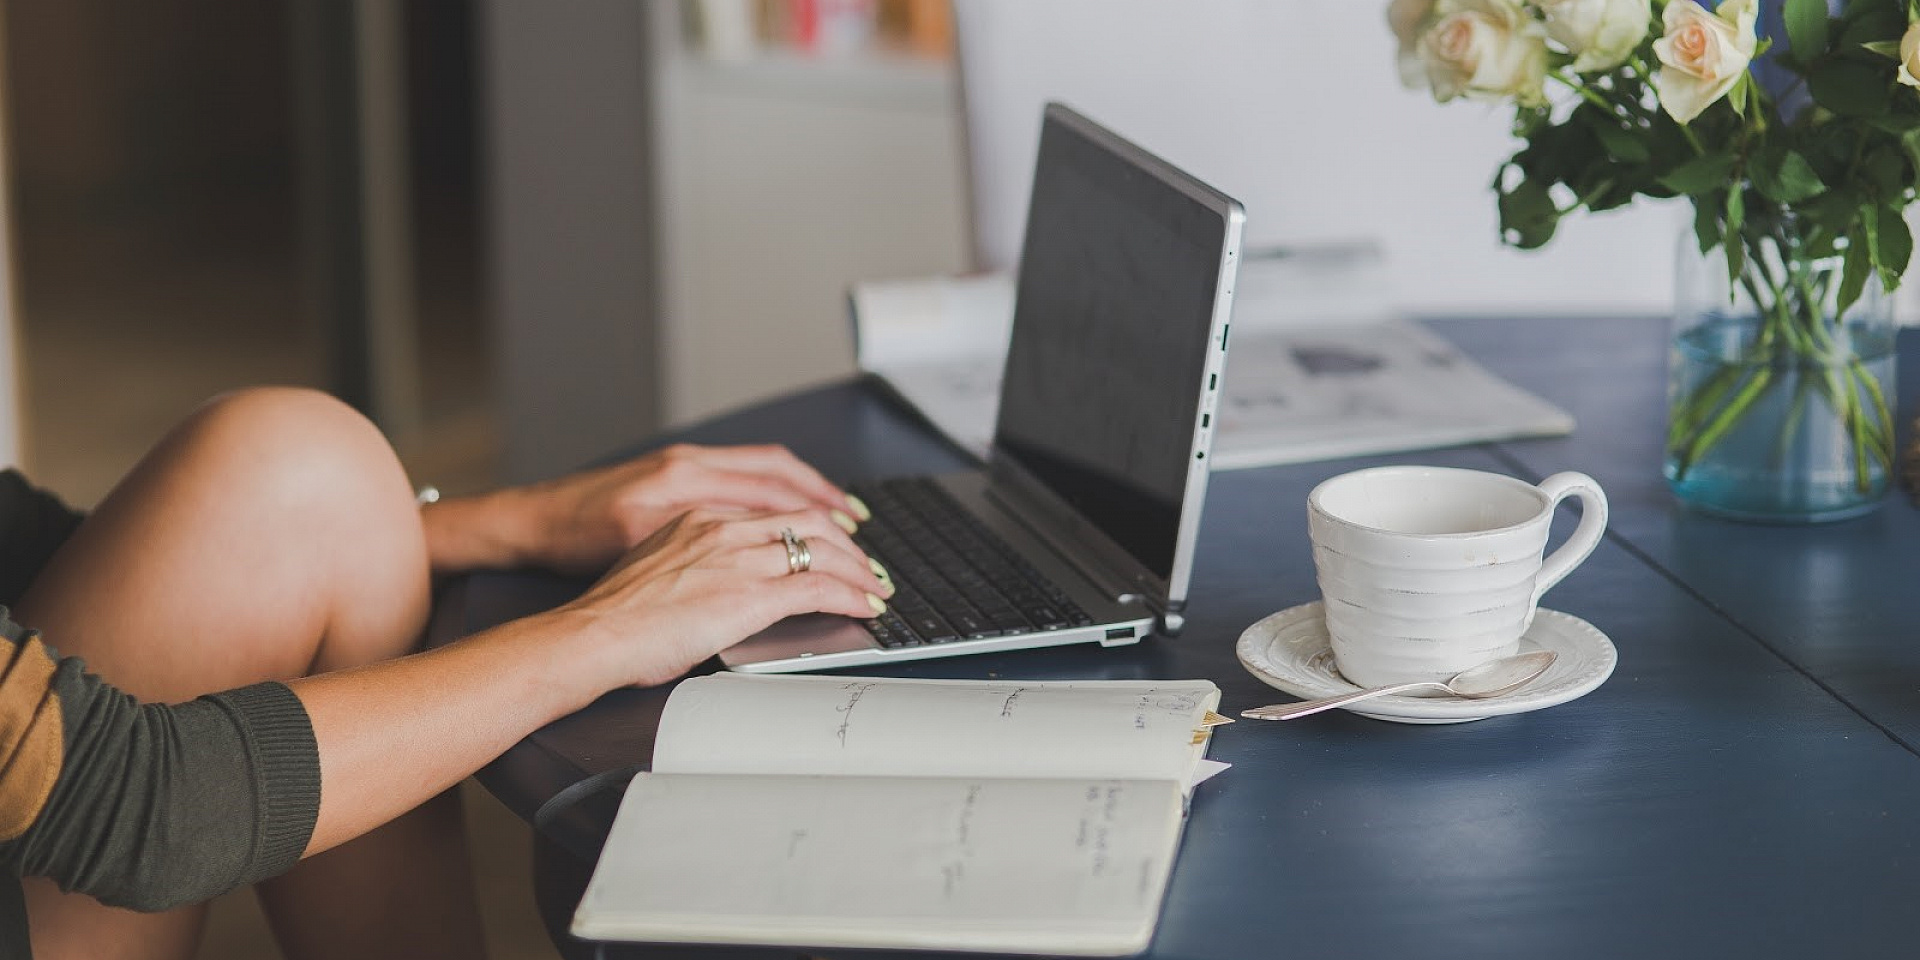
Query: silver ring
x,y
799,558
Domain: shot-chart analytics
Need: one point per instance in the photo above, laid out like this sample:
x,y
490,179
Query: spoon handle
x,y
1289,711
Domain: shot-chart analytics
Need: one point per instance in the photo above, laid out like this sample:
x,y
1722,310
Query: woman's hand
x,y
707,580
701,583
582,522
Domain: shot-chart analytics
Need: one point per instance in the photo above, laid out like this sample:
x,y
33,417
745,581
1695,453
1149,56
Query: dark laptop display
x,y
1098,402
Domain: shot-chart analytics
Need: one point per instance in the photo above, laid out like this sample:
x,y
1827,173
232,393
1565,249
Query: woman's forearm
x,y
392,735
487,532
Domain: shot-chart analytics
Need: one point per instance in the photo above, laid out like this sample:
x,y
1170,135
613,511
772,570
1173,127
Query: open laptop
x,y
1082,525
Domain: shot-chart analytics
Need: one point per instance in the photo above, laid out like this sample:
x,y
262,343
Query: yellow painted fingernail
x,y
859,507
878,570
879,606
846,523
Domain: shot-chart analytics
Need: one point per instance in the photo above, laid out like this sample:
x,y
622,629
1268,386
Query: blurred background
x,y
523,235
168,215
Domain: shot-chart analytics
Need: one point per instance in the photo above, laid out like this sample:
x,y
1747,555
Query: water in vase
x,y
1791,457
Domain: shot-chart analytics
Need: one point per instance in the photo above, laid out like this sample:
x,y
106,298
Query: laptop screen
x,y
1110,336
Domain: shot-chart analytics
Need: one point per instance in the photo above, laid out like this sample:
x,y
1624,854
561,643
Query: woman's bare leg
x,y
272,536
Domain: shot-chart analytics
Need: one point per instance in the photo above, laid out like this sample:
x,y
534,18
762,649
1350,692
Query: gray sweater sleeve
x,y
157,806
33,524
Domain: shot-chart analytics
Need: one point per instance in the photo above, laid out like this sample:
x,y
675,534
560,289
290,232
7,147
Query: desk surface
x,y
1745,785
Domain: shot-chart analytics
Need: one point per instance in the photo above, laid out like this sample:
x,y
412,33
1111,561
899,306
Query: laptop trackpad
x,y
813,633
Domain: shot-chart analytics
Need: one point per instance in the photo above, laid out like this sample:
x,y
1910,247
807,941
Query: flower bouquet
x,y
1793,126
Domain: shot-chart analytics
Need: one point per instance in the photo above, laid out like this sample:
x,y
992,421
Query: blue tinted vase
x,y
1779,401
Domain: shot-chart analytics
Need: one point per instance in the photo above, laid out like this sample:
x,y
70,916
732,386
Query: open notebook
x,y
811,811
1320,367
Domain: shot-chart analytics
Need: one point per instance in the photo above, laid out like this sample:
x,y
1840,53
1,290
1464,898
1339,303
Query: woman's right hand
x,y
708,580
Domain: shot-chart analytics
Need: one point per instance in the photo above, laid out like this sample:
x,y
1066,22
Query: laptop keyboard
x,y
956,580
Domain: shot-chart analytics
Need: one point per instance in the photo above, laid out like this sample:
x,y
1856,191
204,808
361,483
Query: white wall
x,y
1295,108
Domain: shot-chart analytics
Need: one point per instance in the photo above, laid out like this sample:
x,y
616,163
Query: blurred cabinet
x,y
674,234
785,178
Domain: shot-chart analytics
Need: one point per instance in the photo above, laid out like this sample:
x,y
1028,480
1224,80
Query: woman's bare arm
x,y
393,734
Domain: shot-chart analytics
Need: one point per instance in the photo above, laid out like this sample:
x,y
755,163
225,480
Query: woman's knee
x,y
295,447
333,482
310,487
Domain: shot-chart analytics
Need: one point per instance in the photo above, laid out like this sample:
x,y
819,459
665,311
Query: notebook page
x,y
1048,866
861,726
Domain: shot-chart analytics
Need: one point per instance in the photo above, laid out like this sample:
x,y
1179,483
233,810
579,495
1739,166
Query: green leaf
x,y
1736,249
1820,244
1613,196
1885,48
1853,273
1894,249
1870,228
1706,222
1910,142
1834,211
1619,143
1851,88
1872,23
1896,125
1528,215
1806,28
1786,176
1886,171
1699,174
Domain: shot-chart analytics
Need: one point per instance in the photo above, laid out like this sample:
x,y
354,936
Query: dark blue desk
x,y
1746,784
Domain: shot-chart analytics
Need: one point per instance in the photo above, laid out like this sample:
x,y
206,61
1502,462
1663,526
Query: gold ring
x,y
799,558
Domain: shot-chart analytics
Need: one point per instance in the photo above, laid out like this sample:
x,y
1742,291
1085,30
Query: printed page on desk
x,y
1012,866
1319,365
864,726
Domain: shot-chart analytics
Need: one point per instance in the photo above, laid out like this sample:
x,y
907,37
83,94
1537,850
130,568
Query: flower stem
x,y
1713,431
1792,340
1693,409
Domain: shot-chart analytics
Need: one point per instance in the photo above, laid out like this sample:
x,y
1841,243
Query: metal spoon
x,y
1489,679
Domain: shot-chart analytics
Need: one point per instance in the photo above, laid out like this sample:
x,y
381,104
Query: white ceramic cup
x,y
1427,571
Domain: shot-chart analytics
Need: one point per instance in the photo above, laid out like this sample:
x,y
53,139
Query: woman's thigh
x,y
270,536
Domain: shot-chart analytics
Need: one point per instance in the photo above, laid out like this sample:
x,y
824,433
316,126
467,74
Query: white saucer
x,y
1289,650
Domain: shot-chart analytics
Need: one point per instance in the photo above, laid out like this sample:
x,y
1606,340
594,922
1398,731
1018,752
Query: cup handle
x,y
1586,536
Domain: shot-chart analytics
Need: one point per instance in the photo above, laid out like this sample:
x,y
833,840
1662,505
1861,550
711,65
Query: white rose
x,y
1486,49
1409,19
1601,34
1910,56
1702,54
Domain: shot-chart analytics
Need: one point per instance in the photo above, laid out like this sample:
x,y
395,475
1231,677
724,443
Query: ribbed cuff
x,y
286,771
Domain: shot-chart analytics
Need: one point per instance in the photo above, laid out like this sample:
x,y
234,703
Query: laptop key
x,y
1007,619
957,580
929,625
1045,617
973,625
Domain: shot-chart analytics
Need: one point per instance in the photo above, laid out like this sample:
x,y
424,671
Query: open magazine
x,y
1318,368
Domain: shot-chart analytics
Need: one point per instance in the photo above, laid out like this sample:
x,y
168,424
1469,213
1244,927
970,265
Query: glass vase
x,y
1779,401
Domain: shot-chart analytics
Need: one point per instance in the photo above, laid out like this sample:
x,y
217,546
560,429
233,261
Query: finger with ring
x,y
799,556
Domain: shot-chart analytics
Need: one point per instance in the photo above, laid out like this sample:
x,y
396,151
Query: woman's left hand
x,y
583,522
